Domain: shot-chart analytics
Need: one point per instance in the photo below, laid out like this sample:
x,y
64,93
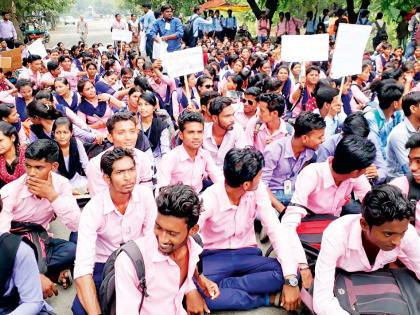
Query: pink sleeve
x,y
5,97
212,170
361,187
280,236
66,208
128,296
175,104
95,177
324,301
151,211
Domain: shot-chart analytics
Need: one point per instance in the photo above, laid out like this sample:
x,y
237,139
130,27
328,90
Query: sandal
x,y
65,279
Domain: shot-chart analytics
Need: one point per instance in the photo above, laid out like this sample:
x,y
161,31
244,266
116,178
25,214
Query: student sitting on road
x,y
366,242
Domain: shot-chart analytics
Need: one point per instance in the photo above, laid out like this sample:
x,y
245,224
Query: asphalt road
x,y
98,32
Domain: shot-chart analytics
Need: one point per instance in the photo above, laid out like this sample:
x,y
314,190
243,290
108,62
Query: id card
x,y
287,187
167,26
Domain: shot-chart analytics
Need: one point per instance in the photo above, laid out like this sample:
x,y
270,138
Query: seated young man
x,y
356,124
188,163
248,107
231,257
121,213
21,291
269,125
330,108
286,157
413,177
324,188
222,134
38,197
170,256
396,150
366,242
383,119
122,132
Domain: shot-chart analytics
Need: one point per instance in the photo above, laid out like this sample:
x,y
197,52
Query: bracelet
x,y
303,267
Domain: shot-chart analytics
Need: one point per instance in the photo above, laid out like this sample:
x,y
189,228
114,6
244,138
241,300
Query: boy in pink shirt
x,y
123,212
269,125
123,133
170,256
188,163
367,242
38,197
325,188
231,256
410,183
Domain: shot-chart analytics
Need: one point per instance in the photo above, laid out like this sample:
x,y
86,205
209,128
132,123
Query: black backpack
x,y
107,289
381,34
189,32
9,244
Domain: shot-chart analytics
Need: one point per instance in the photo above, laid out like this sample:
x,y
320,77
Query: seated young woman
x,y
12,154
9,114
154,127
73,159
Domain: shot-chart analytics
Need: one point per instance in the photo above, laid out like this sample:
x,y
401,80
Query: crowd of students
x,y
250,139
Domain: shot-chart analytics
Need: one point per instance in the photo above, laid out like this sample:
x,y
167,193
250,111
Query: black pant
x,y
230,33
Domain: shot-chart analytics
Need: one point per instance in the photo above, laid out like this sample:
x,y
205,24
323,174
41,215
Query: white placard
x,y
123,35
304,47
38,48
349,49
183,62
159,49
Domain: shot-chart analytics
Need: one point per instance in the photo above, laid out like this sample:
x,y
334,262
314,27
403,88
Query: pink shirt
x,y
35,78
342,248
241,118
402,183
226,226
21,205
71,77
47,79
178,167
281,28
161,88
262,25
259,139
103,228
162,279
94,119
94,173
234,138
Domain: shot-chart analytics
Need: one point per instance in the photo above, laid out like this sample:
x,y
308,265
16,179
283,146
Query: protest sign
x,y
37,48
5,62
183,62
159,50
122,35
349,49
16,59
302,48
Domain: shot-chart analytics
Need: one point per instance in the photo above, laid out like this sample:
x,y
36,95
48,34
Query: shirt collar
x,y
328,178
109,205
409,126
193,250
288,150
184,156
282,128
223,198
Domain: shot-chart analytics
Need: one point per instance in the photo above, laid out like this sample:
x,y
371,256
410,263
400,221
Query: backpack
x,y
384,291
107,289
188,36
310,233
9,244
381,34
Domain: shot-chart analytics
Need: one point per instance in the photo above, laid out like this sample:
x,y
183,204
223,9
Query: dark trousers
x,y
60,255
149,46
245,278
77,307
230,33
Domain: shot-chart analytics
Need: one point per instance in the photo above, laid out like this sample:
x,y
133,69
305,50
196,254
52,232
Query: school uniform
x,y
342,247
162,279
231,257
103,229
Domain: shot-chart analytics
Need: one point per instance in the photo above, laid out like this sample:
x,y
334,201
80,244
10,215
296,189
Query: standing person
x,y
414,30
402,30
263,27
292,24
7,31
280,28
147,21
168,29
230,26
310,22
379,29
324,19
197,22
118,24
82,29
364,18
134,28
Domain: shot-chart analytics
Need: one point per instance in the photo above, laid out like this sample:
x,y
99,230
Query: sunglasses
x,y
208,86
250,102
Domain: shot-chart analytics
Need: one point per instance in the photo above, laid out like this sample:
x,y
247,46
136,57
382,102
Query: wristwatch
x,y
293,282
